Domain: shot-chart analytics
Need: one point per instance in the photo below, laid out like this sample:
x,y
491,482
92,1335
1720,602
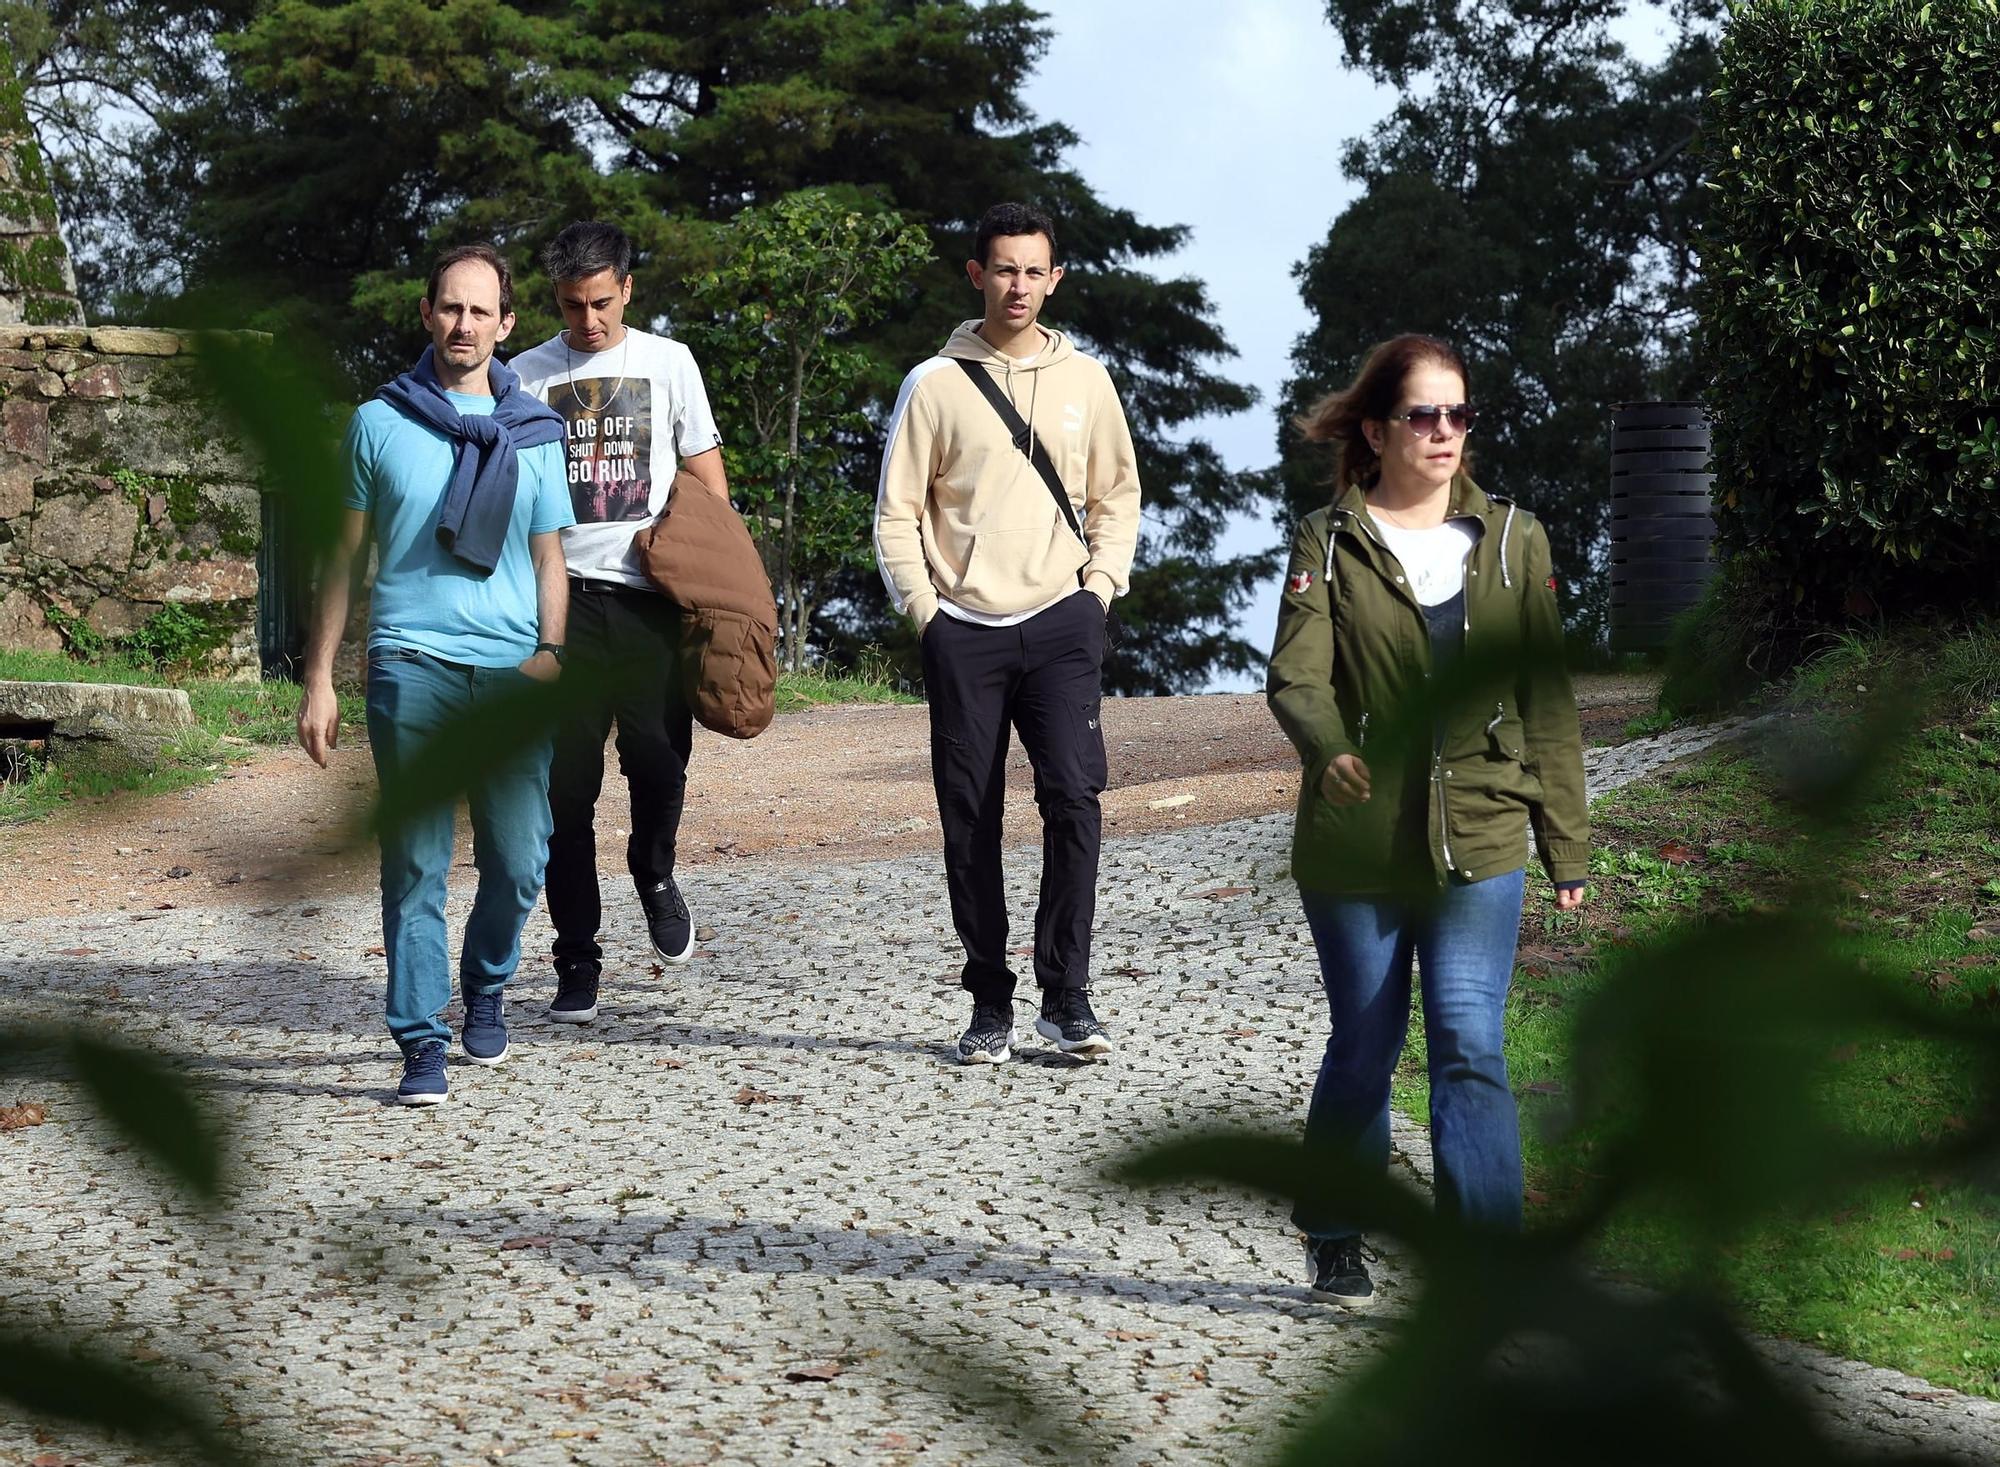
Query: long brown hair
x,y
1374,392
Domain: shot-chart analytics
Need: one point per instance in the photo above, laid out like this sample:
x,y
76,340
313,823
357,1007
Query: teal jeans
x,y
410,696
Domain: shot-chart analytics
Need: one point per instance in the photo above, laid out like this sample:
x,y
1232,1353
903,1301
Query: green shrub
x,y
173,636
1850,301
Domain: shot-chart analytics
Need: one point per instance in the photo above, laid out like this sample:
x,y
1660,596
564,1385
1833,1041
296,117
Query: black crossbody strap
x,y
1024,439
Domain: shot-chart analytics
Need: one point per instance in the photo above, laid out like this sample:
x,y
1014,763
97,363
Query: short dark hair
x,y
1006,220
485,254
586,247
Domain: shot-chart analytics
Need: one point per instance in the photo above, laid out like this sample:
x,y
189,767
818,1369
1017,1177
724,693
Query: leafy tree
x,y
341,141
797,278
1529,199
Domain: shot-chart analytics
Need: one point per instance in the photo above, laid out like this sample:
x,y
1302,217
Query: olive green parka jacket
x,y
1495,745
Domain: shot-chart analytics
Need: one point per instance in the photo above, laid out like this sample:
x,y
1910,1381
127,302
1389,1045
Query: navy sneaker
x,y
992,1031
668,922
1067,1019
576,991
1340,1270
484,1037
424,1081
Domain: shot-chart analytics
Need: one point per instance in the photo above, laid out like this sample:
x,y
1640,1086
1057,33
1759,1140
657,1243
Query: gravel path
x,y
754,1214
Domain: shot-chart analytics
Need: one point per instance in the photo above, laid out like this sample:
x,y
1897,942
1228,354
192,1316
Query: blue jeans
x,y
1464,944
410,695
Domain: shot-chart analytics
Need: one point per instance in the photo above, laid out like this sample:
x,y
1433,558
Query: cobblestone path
x,y
754,1214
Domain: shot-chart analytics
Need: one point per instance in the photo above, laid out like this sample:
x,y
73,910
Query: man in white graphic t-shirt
x,y
635,409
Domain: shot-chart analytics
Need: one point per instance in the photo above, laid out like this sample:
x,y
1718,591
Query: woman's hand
x,y
1569,900
1345,781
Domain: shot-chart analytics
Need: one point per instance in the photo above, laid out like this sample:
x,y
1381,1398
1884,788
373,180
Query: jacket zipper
x,y
1465,629
1364,732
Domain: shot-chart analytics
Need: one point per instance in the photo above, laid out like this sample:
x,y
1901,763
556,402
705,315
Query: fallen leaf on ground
x,y
806,1373
539,1240
77,952
178,871
377,951
1169,802
1979,934
1221,893
750,1095
1241,1033
671,1064
1126,1334
1674,853
20,1117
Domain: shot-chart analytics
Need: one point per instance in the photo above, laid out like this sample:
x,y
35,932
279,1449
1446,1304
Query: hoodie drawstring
x,y
1508,524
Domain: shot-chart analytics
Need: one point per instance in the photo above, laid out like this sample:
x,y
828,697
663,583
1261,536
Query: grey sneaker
x,y
1067,1019
987,1041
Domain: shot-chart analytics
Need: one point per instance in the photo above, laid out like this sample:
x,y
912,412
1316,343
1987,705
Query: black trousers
x,y
1043,676
620,657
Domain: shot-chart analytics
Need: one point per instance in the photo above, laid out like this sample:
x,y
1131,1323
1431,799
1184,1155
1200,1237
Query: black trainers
x,y
667,922
1067,1019
1340,1270
987,1041
576,991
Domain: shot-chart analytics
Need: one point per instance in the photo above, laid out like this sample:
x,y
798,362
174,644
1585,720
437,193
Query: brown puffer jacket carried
x,y
701,556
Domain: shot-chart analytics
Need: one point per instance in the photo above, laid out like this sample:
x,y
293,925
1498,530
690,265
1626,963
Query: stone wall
x,y
121,494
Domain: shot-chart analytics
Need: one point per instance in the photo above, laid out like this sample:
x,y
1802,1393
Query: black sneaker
x,y
987,1041
667,922
1067,1019
1340,1270
576,991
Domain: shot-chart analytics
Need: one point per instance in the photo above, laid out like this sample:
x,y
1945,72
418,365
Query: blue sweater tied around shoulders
x,y
472,521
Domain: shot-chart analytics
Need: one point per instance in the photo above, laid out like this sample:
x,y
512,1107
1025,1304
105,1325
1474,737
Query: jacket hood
x,y
1467,498
968,344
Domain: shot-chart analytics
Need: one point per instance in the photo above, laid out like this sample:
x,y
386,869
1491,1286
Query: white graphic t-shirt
x,y
634,411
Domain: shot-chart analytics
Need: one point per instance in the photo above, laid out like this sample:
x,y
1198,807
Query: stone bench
x,y
104,728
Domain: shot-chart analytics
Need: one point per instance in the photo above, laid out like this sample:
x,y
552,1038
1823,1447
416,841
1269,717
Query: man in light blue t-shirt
x,y
458,478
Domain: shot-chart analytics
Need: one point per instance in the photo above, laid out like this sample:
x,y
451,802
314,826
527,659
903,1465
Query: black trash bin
x,y
1662,519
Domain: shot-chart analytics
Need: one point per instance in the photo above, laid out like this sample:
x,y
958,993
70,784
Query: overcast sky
x,y
1230,119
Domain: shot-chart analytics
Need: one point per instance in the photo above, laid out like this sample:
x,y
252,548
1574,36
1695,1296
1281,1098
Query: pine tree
x,y
1529,200
343,142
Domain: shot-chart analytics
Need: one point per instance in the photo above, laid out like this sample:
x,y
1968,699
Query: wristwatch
x,y
554,649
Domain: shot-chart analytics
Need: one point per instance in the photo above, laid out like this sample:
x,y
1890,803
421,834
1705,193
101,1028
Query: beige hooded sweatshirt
x,y
961,513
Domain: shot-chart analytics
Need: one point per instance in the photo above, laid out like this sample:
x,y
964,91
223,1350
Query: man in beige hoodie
x,y
1005,522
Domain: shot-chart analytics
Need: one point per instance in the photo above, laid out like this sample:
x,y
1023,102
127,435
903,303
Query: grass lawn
x,y
1903,1273
233,719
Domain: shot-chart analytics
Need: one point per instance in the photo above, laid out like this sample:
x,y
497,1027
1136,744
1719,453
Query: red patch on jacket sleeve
x,y
1551,583
1300,582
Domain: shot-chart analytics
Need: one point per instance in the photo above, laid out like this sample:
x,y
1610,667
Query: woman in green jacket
x,y
1418,668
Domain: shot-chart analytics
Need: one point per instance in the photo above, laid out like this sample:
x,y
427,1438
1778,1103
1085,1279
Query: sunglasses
x,y
1423,418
